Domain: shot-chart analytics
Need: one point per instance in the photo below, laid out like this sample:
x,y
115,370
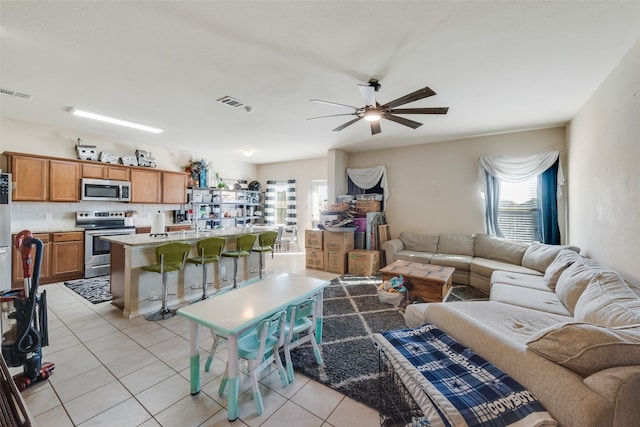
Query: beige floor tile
x,y
42,401
71,362
131,363
168,347
97,401
58,343
141,329
154,337
220,420
128,413
350,413
150,423
164,394
146,377
190,411
317,399
271,401
289,412
113,347
83,383
56,417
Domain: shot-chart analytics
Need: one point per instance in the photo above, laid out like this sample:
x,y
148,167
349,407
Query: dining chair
x,y
209,251
260,349
266,242
169,257
244,244
290,235
301,319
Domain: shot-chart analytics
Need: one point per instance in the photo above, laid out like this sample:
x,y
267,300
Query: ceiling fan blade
x,y
368,94
435,110
402,121
349,123
414,96
375,127
332,115
334,103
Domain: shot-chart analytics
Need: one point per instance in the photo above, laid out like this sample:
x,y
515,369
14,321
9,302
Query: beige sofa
x,y
571,336
474,257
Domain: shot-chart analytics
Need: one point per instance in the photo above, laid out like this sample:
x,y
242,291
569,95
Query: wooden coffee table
x,y
430,283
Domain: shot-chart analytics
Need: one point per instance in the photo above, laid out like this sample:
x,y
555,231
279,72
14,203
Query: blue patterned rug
x,y
94,290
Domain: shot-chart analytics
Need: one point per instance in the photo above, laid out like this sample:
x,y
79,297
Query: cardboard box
x,y
368,205
363,262
315,259
338,242
313,239
335,262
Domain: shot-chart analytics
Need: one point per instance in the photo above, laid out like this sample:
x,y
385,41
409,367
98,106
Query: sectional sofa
x,y
567,329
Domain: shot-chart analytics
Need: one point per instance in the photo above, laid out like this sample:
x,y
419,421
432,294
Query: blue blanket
x,y
474,389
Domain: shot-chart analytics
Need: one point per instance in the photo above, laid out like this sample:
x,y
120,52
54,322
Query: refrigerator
x,y
5,231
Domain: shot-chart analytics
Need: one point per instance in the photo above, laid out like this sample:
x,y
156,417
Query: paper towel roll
x,y
157,226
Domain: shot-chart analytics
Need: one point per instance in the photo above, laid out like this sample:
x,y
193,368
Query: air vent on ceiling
x,y
231,101
14,93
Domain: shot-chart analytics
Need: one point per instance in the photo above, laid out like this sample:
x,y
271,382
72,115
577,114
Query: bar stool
x,y
266,242
209,251
244,244
169,257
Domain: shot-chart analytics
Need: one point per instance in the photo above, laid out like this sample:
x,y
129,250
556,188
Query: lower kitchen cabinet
x,y
45,267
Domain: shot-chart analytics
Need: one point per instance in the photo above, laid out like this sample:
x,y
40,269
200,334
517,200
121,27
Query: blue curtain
x,y
270,203
492,204
548,205
292,218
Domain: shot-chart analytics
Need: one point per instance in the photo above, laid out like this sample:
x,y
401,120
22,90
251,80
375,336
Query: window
x,y
281,202
518,211
318,201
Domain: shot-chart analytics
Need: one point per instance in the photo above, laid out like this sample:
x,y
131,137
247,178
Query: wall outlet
x,y
48,216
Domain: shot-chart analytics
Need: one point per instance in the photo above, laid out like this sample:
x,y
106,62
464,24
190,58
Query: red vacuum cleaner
x,y
23,320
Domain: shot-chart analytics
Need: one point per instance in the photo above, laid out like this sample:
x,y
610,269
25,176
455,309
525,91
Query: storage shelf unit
x,y
214,208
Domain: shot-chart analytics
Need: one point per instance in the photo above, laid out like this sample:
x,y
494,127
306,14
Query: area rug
x,y
352,313
94,290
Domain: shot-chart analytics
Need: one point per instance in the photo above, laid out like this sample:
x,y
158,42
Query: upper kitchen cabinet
x,y
31,175
105,171
64,181
146,186
174,187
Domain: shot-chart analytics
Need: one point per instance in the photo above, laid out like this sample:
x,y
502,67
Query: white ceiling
x,y
499,66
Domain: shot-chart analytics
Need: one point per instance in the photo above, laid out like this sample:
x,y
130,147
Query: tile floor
x,y
113,371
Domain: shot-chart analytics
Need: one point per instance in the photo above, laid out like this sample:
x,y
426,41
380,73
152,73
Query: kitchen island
x,y
132,288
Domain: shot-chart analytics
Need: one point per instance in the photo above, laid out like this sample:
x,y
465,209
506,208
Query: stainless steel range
x,y
97,252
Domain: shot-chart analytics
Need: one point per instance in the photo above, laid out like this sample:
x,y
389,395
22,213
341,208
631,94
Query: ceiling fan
x,y
373,111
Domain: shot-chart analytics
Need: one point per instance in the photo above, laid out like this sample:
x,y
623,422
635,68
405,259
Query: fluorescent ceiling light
x,y
115,121
247,152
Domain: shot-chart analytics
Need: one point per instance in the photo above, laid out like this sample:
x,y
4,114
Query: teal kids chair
x,y
300,328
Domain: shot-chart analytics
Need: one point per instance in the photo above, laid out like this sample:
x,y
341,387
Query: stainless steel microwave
x,y
106,189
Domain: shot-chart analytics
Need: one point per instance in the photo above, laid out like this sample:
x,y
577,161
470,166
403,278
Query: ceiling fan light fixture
x,y
115,121
372,115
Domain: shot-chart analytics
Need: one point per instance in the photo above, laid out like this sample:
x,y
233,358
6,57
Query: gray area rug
x,y
352,314
94,290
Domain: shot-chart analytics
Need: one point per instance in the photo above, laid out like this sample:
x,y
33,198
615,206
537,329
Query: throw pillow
x,y
420,242
498,249
608,300
538,256
563,259
585,348
573,281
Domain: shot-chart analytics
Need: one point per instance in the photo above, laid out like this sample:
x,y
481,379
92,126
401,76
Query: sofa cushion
x,y
459,244
419,242
574,279
585,348
534,299
608,300
519,279
485,267
489,247
538,256
459,262
414,256
563,259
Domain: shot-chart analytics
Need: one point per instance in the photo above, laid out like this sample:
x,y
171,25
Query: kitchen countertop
x,y
178,236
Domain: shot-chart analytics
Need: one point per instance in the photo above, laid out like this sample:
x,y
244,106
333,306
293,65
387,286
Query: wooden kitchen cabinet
x,y
45,267
174,187
31,175
64,181
67,255
146,186
105,171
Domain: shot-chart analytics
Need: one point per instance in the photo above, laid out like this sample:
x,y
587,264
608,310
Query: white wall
x,y
603,143
435,188
304,172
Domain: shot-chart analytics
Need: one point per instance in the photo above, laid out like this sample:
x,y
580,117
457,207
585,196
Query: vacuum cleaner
x,y
23,320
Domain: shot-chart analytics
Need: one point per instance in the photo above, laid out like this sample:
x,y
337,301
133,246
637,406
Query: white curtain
x,y
520,168
369,177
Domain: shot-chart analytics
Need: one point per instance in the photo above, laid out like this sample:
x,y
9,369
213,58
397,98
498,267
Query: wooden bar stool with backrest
x,y
169,257
266,242
244,244
209,251
300,328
